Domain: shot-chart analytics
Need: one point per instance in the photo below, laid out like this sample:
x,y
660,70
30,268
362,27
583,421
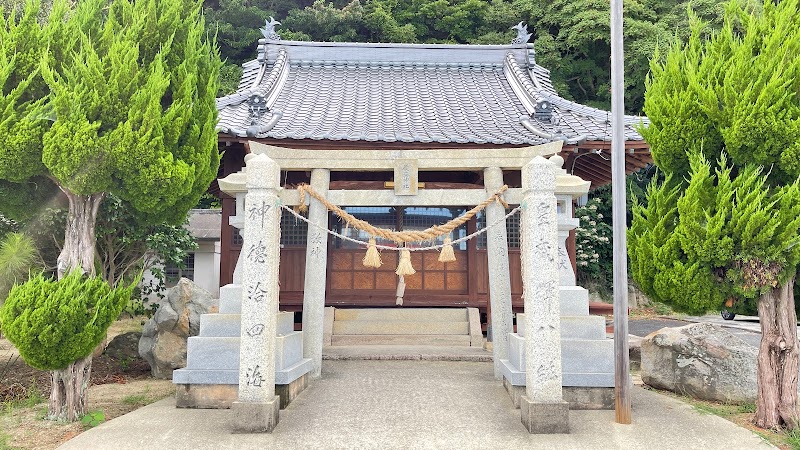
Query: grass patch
x,y
793,439
742,414
136,400
4,445
721,410
23,398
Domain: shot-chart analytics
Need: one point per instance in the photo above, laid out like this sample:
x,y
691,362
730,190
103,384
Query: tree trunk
x,y
776,404
68,393
79,235
68,396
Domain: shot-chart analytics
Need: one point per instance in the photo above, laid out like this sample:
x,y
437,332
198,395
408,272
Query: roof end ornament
x,y
522,34
268,30
543,111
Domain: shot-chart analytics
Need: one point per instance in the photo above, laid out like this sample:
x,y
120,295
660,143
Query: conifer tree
x,y
715,236
56,325
111,96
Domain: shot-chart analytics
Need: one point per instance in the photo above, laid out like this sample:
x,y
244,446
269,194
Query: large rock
x,y
124,347
701,360
163,342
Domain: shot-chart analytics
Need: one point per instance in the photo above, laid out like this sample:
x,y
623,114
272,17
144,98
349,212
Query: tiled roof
x,y
205,223
406,93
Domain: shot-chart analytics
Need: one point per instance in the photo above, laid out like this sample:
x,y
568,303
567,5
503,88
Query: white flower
x,y
592,223
599,216
584,263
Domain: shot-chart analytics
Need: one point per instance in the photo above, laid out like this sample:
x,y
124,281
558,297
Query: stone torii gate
x,y
259,199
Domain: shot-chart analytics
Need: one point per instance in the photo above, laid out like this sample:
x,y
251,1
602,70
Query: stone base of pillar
x,y
249,417
578,397
544,418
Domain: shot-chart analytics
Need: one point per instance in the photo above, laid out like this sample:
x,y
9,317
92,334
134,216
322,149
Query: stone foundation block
x,y
288,392
249,417
544,418
515,392
589,398
578,397
206,396
222,396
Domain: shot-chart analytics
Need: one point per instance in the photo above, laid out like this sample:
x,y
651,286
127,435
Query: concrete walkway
x,y
416,405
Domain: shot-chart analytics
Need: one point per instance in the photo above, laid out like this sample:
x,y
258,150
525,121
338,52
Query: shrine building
x,y
365,97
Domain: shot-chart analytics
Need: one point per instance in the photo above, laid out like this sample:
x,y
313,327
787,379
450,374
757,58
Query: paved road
x,y
746,328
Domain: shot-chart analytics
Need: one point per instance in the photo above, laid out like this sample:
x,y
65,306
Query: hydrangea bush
x,y
593,248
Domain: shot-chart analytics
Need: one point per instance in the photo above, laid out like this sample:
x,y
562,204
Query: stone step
x,y
517,377
583,327
605,379
229,325
393,328
230,299
587,356
293,372
386,339
209,376
569,376
574,327
574,301
212,353
402,314
577,355
222,353
220,325
205,376
285,323
288,350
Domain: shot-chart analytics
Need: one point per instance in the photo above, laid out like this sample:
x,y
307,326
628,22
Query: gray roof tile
x,y
408,93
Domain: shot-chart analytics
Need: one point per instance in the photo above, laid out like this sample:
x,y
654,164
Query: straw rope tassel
x,y
372,258
447,254
404,267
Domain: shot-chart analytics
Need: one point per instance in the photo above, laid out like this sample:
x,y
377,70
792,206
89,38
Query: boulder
x,y
164,336
702,360
124,347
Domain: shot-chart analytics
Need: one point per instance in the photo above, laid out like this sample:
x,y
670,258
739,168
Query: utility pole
x,y
622,386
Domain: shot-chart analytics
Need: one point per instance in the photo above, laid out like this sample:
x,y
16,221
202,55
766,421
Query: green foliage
x,y
18,257
129,89
16,198
208,201
728,231
126,246
134,107
55,323
719,237
137,400
229,77
593,246
735,91
93,419
793,439
22,89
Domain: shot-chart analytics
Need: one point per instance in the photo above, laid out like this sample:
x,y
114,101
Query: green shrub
x,y
18,257
55,323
